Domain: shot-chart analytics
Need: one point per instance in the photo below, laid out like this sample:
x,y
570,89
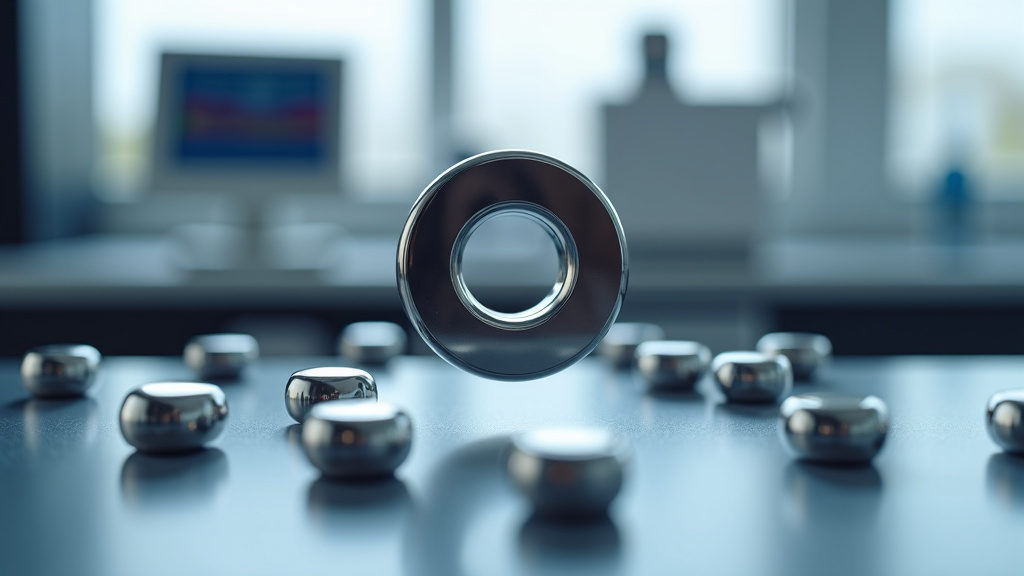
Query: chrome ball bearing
x,y
752,377
356,440
567,323
309,387
834,428
620,343
569,472
371,342
167,417
672,364
806,352
221,356
60,370
1005,420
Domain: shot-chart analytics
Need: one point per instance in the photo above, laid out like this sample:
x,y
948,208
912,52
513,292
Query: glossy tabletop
x,y
711,490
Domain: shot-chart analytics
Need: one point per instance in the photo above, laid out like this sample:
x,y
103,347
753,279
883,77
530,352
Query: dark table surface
x,y
710,490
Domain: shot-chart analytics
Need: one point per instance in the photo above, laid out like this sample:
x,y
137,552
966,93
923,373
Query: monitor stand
x,y
255,251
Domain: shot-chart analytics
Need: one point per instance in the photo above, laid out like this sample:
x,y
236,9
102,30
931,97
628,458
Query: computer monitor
x,y
247,125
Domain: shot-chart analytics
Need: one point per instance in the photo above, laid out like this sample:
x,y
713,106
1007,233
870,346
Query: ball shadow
x,y
1004,478
149,480
592,547
56,423
748,410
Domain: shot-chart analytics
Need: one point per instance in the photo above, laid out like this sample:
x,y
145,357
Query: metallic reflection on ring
x,y
567,324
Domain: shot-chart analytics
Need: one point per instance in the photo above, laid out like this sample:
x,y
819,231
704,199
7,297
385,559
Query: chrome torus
x,y
582,303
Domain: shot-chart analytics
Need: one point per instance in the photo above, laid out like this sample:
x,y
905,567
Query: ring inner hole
x,y
510,263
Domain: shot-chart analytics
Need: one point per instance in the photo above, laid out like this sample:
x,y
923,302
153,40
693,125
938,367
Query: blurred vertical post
x,y
841,69
442,82
59,131
12,190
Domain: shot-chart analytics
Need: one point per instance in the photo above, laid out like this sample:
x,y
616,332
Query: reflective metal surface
x,y
569,472
60,370
352,440
371,342
672,364
173,416
834,428
311,386
806,352
564,326
752,376
1005,420
620,344
221,356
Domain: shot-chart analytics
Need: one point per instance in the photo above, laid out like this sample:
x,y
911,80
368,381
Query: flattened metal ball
x,y
1005,420
221,356
752,377
672,364
353,440
60,370
834,428
309,387
166,417
569,473
620,344
806,352
371,342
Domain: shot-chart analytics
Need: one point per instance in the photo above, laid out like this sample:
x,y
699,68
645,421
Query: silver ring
x,y
575,314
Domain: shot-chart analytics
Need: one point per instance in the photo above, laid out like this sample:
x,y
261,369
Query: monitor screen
x,y
228,115
247,124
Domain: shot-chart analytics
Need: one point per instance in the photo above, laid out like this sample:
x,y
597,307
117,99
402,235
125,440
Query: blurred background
x,y
169,168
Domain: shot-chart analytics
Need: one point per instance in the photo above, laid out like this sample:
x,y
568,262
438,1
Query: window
x,y
535,73
528,73
958,95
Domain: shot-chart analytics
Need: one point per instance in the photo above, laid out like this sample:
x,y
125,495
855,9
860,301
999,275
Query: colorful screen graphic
x,y
251,116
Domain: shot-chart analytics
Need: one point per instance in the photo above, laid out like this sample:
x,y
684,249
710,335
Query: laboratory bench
x,y
129,295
